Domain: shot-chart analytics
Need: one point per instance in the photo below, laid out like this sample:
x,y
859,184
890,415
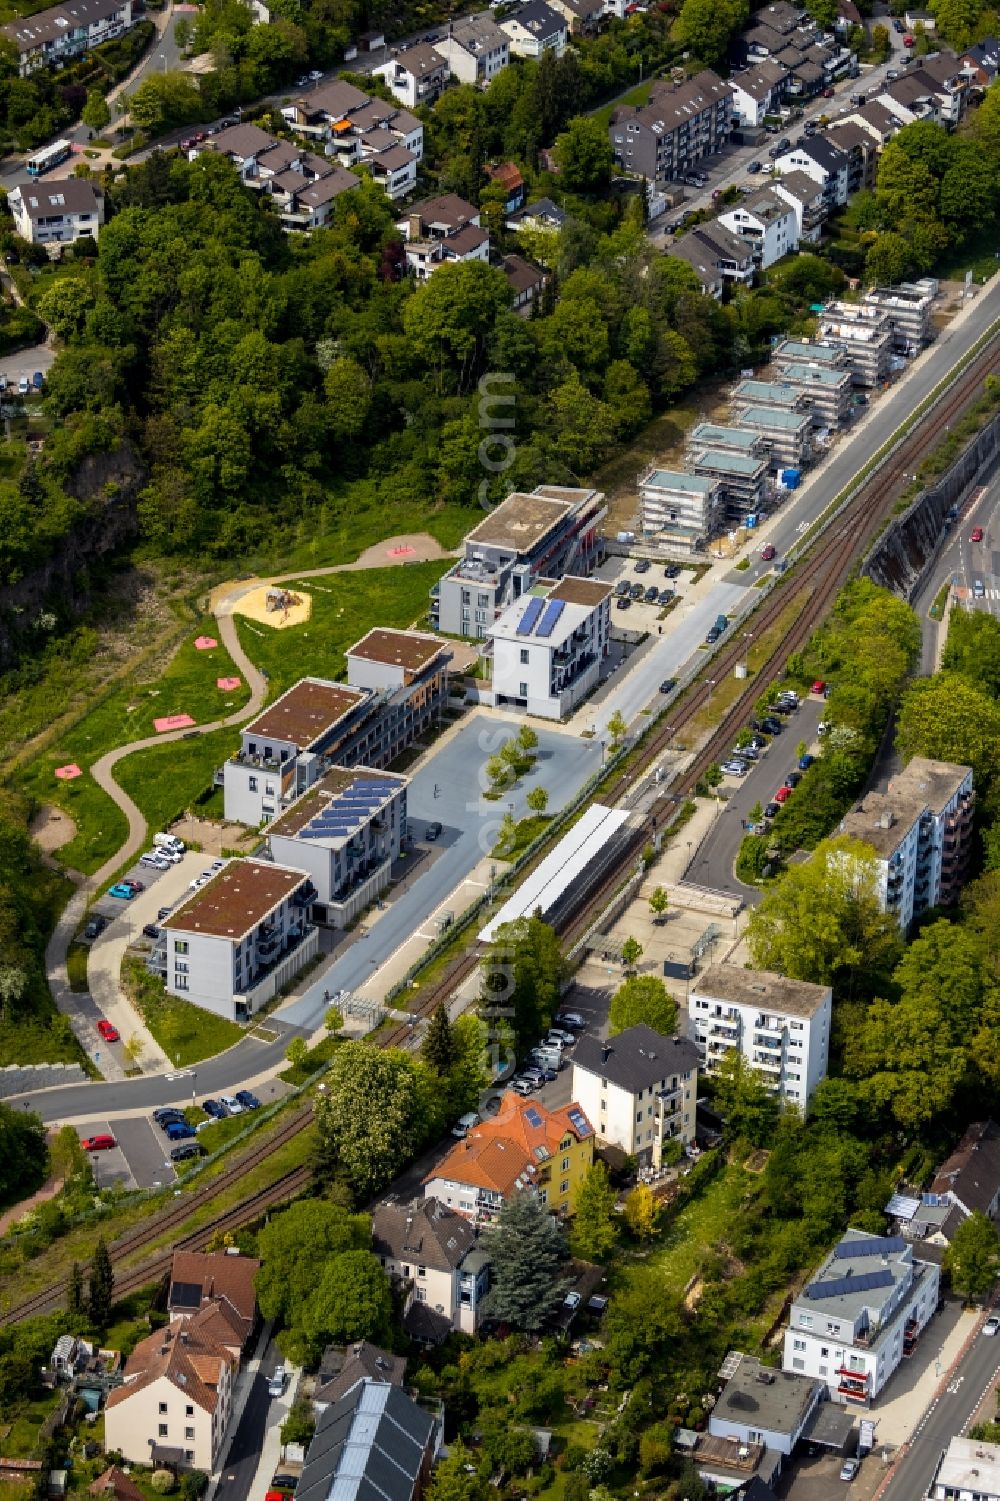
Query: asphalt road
x,y
245,1445
961,561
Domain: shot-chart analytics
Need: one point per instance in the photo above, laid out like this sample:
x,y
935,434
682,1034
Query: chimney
x,y
416,227
605,1052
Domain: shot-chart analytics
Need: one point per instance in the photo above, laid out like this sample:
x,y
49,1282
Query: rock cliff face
x,y
110,483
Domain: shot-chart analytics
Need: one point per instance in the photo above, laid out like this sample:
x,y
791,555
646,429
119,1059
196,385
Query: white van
x,y
169,842
464,1124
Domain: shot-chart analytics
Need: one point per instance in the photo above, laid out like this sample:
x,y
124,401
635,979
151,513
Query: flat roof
x,y
761,988
858,333
307,710
769,1400
883,819
726,437
729,463
811,353
411,650
969,1466
520,521
767,390
775,417
677,479
559,870
322,796
936,782
817,375
236,900
839,1270
577,591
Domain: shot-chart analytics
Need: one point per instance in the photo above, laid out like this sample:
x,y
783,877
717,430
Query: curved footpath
x,y
72,1004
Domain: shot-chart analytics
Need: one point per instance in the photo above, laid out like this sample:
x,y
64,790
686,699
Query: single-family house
x,y
526,281
415,76
542,214
535,28
716,255
763,1406
508,176
341,1368
982,62
767,223
433,1253
476,50
583,17
56,210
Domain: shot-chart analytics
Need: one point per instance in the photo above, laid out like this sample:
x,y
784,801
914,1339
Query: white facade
x,y
416,76
163,1413
536,29
54,210
547,649
769,226
639,1089
830,172
856,1334
476,50
50,38
781,1026
968,1470
674,501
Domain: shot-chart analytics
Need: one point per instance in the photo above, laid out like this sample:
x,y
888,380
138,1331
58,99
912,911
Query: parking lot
x,y
141,1158
639,573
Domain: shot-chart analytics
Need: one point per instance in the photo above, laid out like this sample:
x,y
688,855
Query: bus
x,y
48,157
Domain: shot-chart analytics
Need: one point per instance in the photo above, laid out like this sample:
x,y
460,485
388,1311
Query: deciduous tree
x,y
643,999
973,1257
372,1116
293,1247
595,1225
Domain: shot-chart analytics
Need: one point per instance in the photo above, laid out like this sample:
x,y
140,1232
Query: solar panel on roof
x,y
875,1245
529,617
580,1122
902,1206
532,1117
835,1287
553,610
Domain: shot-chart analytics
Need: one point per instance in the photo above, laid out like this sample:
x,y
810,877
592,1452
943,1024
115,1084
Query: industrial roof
x,y
549,881
371,1445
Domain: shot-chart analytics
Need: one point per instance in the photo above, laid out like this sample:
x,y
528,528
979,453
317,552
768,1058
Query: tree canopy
x,y
643,998
527,1251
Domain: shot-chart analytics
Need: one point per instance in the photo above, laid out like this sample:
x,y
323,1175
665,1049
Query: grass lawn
x,y
76,965
356,520
680,1251
527,830
639,95
22,1439
167,779
186,1033
187,686
298,1073
344,607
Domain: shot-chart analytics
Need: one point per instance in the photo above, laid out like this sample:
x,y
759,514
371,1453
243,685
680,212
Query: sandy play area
x,y
271,605
51,828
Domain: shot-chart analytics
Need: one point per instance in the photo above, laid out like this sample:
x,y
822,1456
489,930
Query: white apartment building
x,y
433,1253
476,50
50,38
232,945
535,28
345,833
781,1026
786,435
866,334
56,210
860,1316
757,91
548,647
824,163
968,1470
639,1089
407,674
415,76
767,223
684,507
920,829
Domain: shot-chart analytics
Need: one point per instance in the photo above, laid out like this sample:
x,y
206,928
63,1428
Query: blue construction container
x,y
790,478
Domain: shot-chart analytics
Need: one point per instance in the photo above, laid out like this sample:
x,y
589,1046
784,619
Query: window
x,y
163,1407
189,1455
798,1364
564,1186
565,1164
189,1433
180,982
524,655
421,1295
181,966
253,784
406,1271
180,946
189,1411
824,1351
798,1344
421,1271
522,690
163,1430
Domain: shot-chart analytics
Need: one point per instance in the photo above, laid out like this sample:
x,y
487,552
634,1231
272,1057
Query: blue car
x,y
121,890
247,1100
179,1131
214,1109
805,762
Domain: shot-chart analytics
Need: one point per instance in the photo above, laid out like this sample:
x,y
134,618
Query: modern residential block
x,y
433,1253
767,223
920,829
866,334
785,435
823,163
524,1146
827,389
968,1470
781,1026
686,508
56,210
639,1089
908,309
547,534
547,648
742,479
232,945
50,38
407,671
861,1315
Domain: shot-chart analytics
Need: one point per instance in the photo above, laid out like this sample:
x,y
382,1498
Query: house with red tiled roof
x,y
219,1284
174,1406
525,1146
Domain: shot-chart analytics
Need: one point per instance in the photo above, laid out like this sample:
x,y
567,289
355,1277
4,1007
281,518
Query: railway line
x,y
817,578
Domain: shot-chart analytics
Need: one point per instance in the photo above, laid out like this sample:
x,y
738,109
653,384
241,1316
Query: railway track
x,y
817,578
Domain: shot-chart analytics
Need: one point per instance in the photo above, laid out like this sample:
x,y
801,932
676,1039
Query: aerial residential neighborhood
x,y
500,664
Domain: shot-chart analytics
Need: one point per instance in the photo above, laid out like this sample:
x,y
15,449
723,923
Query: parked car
x,y
978,589
713,636
156,862
214,1109
107,1031
433,831
908,40
95,927
571,1019
849,1469
186,1150
744,753
891,74
23,386
643,565
897,27
624,603
771,725
829,93
783,794
668,685
992,1326
735,768
772,810
464,1124
169,841
168,1123
651,595
186,143
523,1087
793,778
232,1104
100,1143
622,587
122,891
547,1071
38,380
150,930
167,1112
806,761
672,571
247,1100
132,883
636,591
977,534
753,167
571,1302
566,1038
198,883
163,912
179,1131
768,552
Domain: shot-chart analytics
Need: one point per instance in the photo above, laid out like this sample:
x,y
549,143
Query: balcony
x,y
762,1060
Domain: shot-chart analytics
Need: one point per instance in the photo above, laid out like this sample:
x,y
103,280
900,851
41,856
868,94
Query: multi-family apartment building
x,y
865,332
524,1147
968,1470
342,117
908,310
432,1253
56,210
639,1089
861,1315
741,477
827,388
686,508
785,434
920,830
476,50
767,223
232,945
547,534
716,256
805,196
683,122
827,166
345,833
757,91
547,649
52,37
407,671
416,76
780,1026
535,28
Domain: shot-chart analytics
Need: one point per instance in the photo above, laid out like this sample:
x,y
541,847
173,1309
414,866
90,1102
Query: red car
x,y
829,93
107,1031
819,686
977,534
768,552
102,1143
783,794
907,41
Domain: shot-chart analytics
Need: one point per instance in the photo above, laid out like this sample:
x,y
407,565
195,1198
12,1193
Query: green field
x,y
356,520
186,1033
701,1224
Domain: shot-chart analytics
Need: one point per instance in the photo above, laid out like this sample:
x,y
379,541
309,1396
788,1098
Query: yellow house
x,y
523,1146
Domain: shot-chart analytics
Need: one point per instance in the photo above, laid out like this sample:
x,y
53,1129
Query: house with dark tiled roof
x,y
115,1485
341,1369
432,1253
966,1183
639,1088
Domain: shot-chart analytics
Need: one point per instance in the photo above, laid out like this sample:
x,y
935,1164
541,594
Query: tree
x,y
617,728
822,920
373,1115
642,1211
438,1047
643,999
708,26
95,113
457,1477
352,1301
132,1047
333,1021
507,835
888,260
182,32
297,1051
499,772
948,719
537,799
522,977
658,903
595,1228
583,153
295,1245
75,1301
527,738
973,1258
101,1287
632,952
744,1100
450,317
65,305
527,1251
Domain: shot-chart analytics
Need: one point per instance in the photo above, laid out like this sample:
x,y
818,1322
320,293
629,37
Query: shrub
x,y
162,1482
